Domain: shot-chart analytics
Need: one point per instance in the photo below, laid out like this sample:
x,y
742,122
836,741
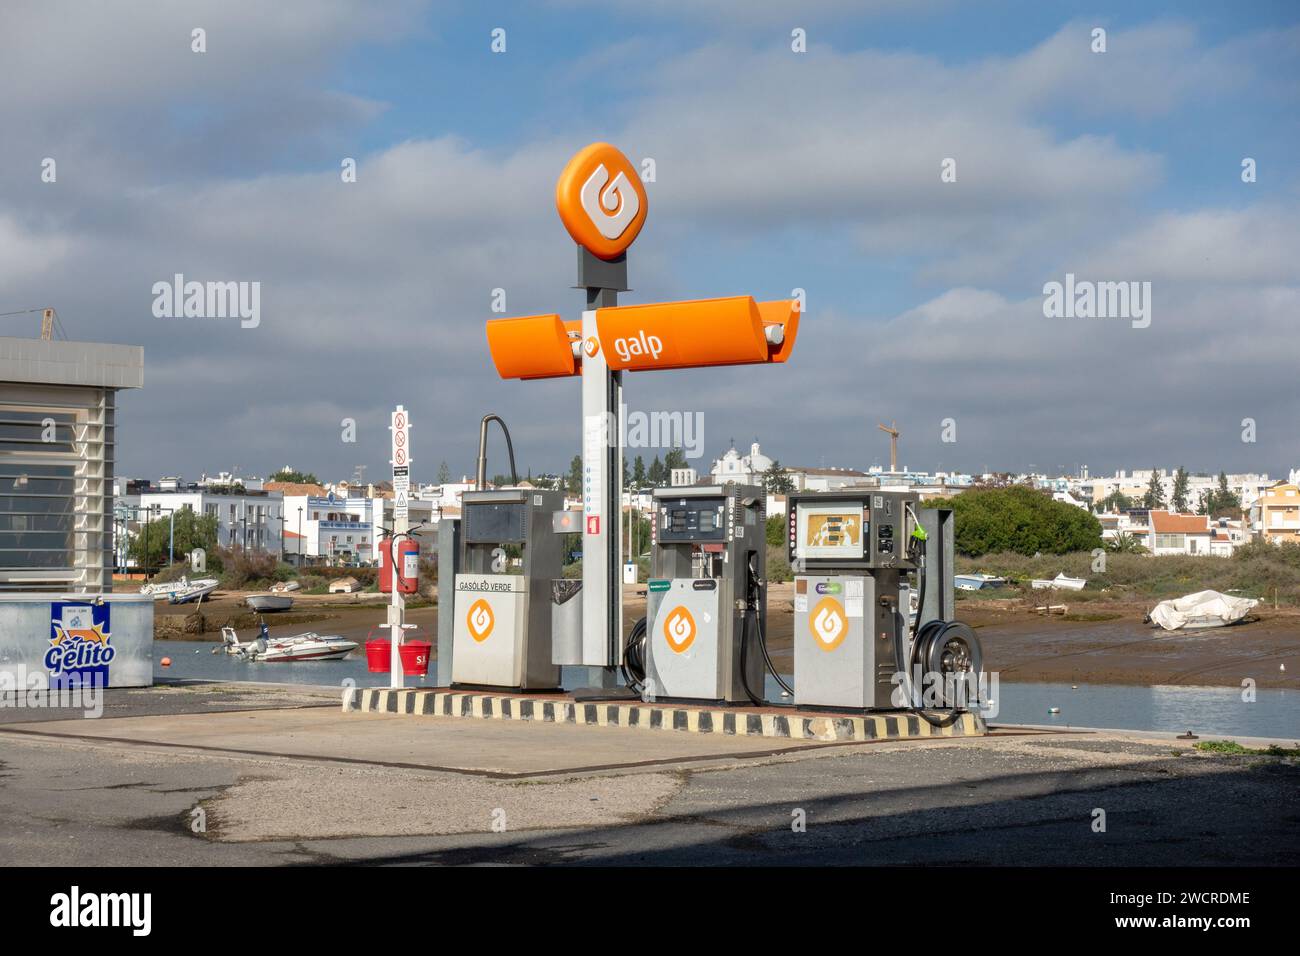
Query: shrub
x,y
1021,520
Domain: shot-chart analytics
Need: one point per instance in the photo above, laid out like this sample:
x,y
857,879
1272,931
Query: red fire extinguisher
x,y
404,560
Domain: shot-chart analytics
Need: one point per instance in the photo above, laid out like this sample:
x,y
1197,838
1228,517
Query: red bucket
x,y
379,656
415,658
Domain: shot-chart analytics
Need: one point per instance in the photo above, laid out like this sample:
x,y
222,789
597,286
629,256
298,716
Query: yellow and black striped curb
x,y
737,721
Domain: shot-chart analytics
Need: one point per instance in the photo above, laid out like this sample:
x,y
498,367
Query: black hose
x,y
633,666
481,473
920,635
744,646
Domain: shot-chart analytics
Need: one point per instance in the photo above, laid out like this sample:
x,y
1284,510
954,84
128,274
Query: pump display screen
x,y
692,521
831,531
495,523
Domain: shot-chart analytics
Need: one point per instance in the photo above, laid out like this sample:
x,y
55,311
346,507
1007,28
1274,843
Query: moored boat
x,y
269,602
1201,610
166,589
977,582
1062,582
300,647
193,591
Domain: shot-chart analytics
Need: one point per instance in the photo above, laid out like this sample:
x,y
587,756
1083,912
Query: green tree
x,y
149,542
574,483
638,472
1182,484
1155,493
1125,543
676,458
444,474
656,475
1116,501
776,481
776,531
1019,519
294,477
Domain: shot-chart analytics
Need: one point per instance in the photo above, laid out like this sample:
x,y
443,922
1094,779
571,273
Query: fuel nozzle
x,y
916,542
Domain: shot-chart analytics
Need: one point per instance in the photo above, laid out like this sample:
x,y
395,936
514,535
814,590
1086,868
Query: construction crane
x,y
892,431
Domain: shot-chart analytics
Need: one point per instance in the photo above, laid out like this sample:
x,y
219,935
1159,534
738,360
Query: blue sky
x,y
776,170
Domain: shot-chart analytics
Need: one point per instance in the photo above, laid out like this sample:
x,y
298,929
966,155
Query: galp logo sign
x,y
639,345
601,201
828,624
679,630
479,620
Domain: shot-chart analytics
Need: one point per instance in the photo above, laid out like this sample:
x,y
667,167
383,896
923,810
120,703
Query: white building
x,y
345,530
250,520
741,469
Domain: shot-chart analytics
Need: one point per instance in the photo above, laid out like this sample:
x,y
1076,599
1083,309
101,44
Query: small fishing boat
x,y
193,591
301,647
1061,582
285,586
165,589
1200,610
977,582
269,602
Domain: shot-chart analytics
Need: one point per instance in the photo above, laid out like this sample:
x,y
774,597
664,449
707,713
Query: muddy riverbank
x,y
1093,643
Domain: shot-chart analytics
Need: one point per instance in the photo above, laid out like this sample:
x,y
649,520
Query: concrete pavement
x,y
296,783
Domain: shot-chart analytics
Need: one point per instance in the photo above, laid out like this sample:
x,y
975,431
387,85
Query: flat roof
x,y
93,364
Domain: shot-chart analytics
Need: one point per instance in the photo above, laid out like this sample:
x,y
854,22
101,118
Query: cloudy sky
x,y
775,170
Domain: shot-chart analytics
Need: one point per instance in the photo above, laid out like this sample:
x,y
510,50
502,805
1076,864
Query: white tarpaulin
x,y
1202,609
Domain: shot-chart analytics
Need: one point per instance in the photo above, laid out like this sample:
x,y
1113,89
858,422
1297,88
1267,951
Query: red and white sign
x,y
401,429
593,524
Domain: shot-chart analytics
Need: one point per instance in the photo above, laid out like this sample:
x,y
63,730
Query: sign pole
x,y
401,460
602,467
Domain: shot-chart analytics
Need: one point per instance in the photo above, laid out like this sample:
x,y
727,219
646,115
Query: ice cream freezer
x,y
74,639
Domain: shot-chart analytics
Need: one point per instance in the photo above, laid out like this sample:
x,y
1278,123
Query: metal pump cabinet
x,y
707,594
849,552
502,626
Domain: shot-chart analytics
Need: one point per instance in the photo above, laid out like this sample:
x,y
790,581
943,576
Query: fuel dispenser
x,y
501,634
853,647
706,605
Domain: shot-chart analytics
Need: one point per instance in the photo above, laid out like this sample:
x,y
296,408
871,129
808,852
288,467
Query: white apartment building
x,y
345,530
250,520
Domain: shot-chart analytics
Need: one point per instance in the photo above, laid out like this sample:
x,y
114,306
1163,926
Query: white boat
x,y
285,586
1061,582
193,591
269,602
1200,610
301,647
977,582
165,589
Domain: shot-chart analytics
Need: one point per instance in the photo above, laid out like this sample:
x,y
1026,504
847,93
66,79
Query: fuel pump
x,y
853,646
706,607
501,633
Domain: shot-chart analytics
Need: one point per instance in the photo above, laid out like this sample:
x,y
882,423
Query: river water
x,y
1213,710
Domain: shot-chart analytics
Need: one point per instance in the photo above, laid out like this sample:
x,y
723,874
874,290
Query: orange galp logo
x,y
828,624
679,630
601,200
480,620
